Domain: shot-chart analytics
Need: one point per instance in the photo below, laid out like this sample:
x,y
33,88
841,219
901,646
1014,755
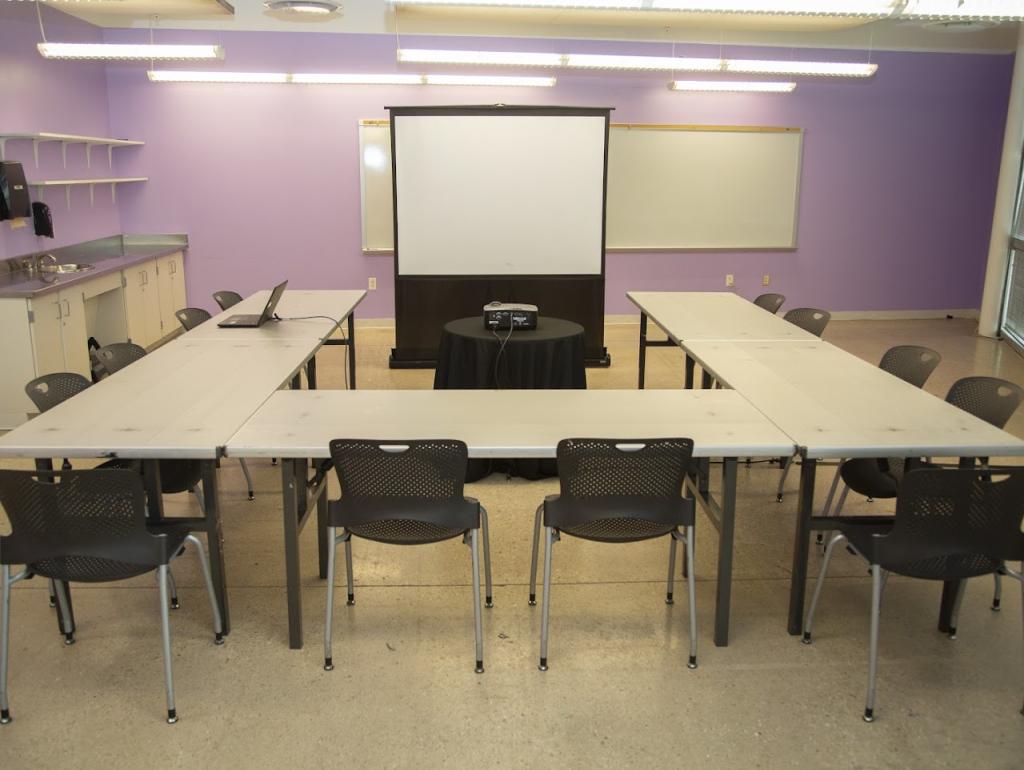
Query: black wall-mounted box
x,y
14,200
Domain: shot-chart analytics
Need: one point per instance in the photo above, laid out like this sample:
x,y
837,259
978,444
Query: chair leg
x,y
199,497
809,620
165,632
842,500
348,569
997,595
671,567
332,547
248,478
876,611
828,500
782,479
533,555
65,613
53,593
173,587
691,585
204,563
488,594
955,610
549,541
474,549
5,629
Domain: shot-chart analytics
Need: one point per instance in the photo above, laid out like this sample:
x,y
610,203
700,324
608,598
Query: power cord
x,y
501,349
340,328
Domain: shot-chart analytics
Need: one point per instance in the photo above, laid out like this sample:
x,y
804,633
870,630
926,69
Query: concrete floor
x,y
618,692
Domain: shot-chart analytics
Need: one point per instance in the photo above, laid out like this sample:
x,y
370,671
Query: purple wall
x,y
898,172
59,97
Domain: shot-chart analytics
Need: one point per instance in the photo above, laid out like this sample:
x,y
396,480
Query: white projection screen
x,y
499,194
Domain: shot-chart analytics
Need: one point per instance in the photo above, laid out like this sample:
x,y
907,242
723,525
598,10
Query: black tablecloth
x,y
548,357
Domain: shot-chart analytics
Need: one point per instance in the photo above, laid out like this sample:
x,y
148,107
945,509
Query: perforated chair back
x,y
191,317
989,398
769,302
954,523
809,319
52,389
911,363
402,491
82,526
617,490
226,299
116,356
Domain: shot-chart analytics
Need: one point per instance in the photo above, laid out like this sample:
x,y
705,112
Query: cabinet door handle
x,y
60,312
68,304
145,275
174,267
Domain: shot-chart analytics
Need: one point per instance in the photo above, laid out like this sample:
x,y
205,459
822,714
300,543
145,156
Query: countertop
x,y
108,254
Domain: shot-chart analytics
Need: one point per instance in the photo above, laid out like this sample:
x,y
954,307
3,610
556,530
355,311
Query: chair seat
x,y
865,476
867,535
617,519
403,531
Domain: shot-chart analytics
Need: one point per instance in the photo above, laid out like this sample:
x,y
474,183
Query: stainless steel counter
x,y
107,254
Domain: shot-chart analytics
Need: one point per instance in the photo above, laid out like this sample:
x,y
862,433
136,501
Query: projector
x,y
509,316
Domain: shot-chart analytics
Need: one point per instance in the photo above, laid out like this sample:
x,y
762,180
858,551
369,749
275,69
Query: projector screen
x,y
499,194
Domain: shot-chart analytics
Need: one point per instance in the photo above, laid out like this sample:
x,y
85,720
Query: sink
x,y
69,267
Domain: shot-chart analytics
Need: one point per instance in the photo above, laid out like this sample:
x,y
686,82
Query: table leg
x,y
321,531
688,380
801,546
311,373
154,492
723,590
215,539
351,351
46,464
290,489
705,378
642,355
297,381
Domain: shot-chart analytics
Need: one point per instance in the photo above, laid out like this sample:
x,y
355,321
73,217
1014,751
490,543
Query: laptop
x,y
254,321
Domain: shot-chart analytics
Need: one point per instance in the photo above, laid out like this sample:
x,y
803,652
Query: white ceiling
x,y
379,17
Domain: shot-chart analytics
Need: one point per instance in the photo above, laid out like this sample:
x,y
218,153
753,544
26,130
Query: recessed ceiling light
x,y
321,7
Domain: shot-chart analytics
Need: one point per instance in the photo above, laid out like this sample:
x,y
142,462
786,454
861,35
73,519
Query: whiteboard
x,y
669,187
499,194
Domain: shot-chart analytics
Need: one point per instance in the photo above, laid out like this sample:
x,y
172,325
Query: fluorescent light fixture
x,y
821,68
314,7
128,51
601,61
185,76
501,58
962,10
487,80
718,86
357,80
648,63
876,8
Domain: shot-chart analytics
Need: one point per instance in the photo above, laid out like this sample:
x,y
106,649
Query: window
x,y
1013,303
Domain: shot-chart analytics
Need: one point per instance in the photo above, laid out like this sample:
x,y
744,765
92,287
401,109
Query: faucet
x,y
40,258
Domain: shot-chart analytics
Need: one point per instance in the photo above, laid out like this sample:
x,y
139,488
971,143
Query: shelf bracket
x,y
3,146
35,151
113,192
67,195
88,155
63,154
110,156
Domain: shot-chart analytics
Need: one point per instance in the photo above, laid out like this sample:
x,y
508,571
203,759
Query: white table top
x,y
834,404
713,315
336,305
509,423
183,400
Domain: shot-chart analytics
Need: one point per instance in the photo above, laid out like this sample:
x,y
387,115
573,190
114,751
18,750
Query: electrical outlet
x,y
373,283
766,280
729,279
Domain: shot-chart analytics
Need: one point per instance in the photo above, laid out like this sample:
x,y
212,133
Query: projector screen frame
x,y
424,303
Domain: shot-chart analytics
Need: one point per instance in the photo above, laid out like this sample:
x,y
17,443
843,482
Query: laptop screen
x,y
275,297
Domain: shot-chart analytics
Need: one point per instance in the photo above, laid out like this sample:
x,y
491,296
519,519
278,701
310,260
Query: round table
x,y
548,357
472,357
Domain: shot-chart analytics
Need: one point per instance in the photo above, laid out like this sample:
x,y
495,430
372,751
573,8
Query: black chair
x,y
950,524
191,317
809,319
226,299
117,355
90,527
403,493
618,491
770,302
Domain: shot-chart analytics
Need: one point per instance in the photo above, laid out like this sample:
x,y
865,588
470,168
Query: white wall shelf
x,y
67,184
68,139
